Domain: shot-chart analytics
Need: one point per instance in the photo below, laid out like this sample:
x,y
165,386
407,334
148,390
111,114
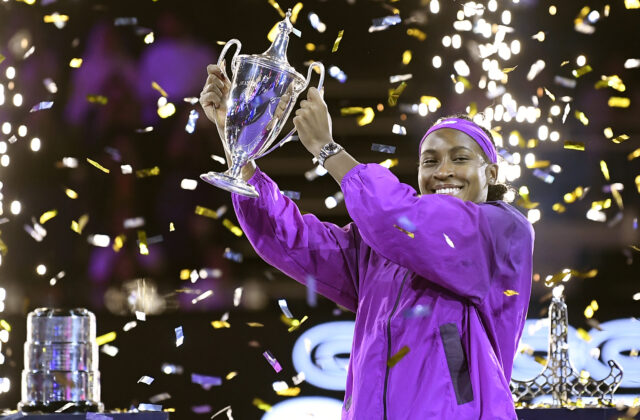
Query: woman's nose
x,y
444,169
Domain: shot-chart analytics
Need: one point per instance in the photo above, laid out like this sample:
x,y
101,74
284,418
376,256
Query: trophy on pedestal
x,y
61,362
259,83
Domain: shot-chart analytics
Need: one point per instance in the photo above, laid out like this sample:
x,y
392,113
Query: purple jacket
x,y
461,260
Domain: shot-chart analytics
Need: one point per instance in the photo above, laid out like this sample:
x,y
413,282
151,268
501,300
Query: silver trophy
x,y
60,362
252,124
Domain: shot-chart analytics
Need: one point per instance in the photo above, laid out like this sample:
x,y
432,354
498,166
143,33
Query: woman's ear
x,y
491,173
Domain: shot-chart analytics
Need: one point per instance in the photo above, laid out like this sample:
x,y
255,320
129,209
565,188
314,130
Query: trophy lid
x,y
278,49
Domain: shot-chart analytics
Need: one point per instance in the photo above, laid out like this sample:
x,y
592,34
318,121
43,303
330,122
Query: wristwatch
x,y
327,150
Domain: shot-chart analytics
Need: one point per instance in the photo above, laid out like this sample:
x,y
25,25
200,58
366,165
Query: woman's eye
x,y
428,162
461,159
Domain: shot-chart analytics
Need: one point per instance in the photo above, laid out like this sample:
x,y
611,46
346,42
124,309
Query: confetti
x,y
233,228
106,338
159,397
97,99
389,163
191,123
565,82
632,4
544,176
395,93
237,296
383,148
380,24
508,69
75,63
284,308
78,226
48,215
399,129
143,173
276,6
147,380
141,316
294,195
417,311
312,299
203,211
171,227
205,381
634,154
179,336
336,43
510,293
619,139
169,369
581,71
227,409
618,102
393,360
202,296
261,404
400,78
448,240
416,33
97,165
157,87
255,324
166,110
406,57
581,117
409,234
571,145
42,105
611,81
367,118
126,169
125,21
604,169
272,361
630,63
220,324
142,243
118,242
149,407
549,94
2,57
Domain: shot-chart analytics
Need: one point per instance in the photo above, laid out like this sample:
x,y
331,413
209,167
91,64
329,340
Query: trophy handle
x,y
290,134
235,56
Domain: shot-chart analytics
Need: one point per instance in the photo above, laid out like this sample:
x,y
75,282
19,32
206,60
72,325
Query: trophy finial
x,y
278,49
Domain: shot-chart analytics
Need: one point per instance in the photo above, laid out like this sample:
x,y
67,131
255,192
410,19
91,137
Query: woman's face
x,y
453,163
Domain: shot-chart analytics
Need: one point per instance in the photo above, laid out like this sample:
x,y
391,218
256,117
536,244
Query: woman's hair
x,y
495,191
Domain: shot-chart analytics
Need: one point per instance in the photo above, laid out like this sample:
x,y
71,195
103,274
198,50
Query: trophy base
x,y
228,183
53,406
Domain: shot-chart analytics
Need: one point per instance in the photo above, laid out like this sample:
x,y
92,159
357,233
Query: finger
x,y
215,70
211,99
314,95
304,103
213,89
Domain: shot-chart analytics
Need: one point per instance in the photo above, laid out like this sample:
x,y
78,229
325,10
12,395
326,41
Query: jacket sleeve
x,y
299,245
447,241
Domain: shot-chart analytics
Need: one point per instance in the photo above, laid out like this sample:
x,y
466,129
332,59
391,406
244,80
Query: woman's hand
x,y
313,122
213,97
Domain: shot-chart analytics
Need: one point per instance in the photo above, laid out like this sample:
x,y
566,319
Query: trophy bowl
x,y
254,115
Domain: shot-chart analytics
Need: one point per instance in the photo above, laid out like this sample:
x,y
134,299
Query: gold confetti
x,y
97,99
619,139
171,227
185,274
271,36
632,4
406,232
634,154
5,325
289,392
276,6
142,173
574,145
508,69
231,375
203,211
540,360
2,57
393,360
118,242
71,194
582,117
97,165
638,183
55,18
432,101
581,71
257,401
604,169
233,228
619,102
142,239
608,132
539,36
75,63
157,87
106,338
611,81
351,110
473,109
417,33
395,93
48,215
510,293
295,12
367,118
166,110
558,208
255,324
220,324
336,43
78,226
3,247
549,94
389,163
588,312
310,46
572,196
406,57
583,334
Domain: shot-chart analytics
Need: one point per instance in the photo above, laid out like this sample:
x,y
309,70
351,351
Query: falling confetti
x,y
272,361
511,293
97,165
336,44
42,105
393,360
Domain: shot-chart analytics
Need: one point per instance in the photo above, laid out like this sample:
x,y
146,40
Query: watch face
x,y
331,147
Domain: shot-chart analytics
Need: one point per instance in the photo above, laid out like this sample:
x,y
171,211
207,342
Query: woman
x,y
447,249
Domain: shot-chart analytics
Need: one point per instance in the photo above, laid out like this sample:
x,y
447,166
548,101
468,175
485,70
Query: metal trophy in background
x,y
61,362
252,123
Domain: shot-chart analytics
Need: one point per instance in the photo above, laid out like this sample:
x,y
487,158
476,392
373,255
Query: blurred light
x,y
149,38
102,241
11,73
554,136
506,17
515,46
423,109
330,202
533,215
556,110
513,172
41,269
162,101
516,158
543,132
35,144
581,60
532,114
3,147
456,41
504,52
556,168
6,128
5,160
461,68
492,5
459,87
521,114
15,207
552,10
593,16
460,15
436,61
17,99
22,130
462,25
4,336
446,41
513,139
434,6
1,94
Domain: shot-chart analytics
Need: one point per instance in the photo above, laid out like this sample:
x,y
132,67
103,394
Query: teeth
x,y
447,190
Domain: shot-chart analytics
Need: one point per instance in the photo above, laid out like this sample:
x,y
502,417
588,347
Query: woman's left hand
x,y
313,122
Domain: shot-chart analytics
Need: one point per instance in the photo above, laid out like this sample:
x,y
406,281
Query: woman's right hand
x,y
213,97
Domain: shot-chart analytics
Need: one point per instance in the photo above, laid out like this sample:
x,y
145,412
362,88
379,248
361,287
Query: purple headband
x,y
469,128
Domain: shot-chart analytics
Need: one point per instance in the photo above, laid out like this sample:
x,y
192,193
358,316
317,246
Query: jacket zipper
x,y
386,374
